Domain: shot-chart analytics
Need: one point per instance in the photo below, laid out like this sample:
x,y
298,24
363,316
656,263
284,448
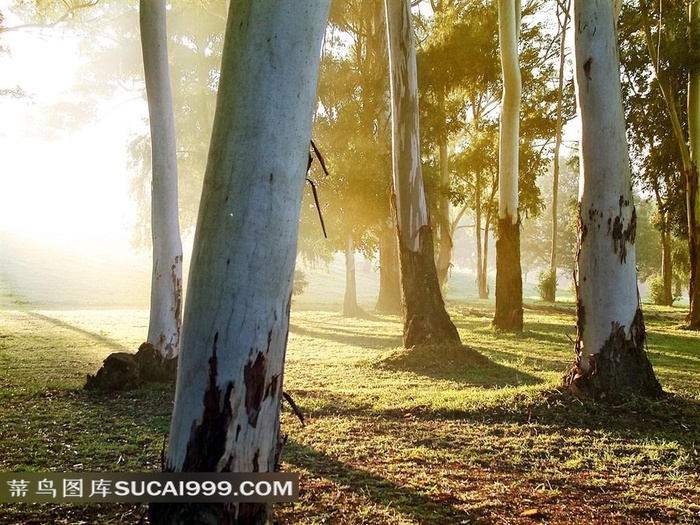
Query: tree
x,y
424,315
535,238
657,161
351,124
693,173
236,322
509,278
459,89
563,20
460,93
166,279
666,70
610,356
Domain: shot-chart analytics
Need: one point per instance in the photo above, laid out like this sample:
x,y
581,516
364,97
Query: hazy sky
x,y
72,186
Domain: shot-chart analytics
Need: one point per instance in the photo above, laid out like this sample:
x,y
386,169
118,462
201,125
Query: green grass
x,y
393,436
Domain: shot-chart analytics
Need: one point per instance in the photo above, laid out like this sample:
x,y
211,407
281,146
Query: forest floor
x,y
424,436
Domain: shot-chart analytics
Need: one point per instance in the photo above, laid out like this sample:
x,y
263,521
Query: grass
x,y
393,436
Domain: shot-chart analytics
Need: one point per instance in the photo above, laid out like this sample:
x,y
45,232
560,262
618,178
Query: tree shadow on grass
x,y
455,363
348,337
427,510
101,339
673,418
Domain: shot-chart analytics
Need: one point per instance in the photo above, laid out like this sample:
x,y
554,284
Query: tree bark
x,y
425,319
230,376
166,279
350,306
509,279
389,300
610,357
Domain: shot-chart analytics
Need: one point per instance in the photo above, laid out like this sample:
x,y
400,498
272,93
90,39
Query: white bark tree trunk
x,y
509,281
166,280
509,130
409,192
227,401
443,260
610,357
424,315
350,306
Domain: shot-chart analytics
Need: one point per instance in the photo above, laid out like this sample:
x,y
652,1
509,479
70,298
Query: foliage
x,y
352,125
300,282
547,284
460,82
536,236
656,289
656,159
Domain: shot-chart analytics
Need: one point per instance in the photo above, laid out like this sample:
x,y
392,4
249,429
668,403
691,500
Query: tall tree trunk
x,y
509,278
666,264
166,279
350,306
481,249
227,401
444,256
693,174
389,300
666,257
443,261
551,292
425,317
610,357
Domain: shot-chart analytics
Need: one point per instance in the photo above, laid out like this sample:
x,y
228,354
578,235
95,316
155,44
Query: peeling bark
x,y
620,369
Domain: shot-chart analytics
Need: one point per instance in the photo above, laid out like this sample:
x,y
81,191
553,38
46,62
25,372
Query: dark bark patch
x,y
188,514
509,277
426,320
621,369
254,513
587,68
254,379
622,236
256,461
207,442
